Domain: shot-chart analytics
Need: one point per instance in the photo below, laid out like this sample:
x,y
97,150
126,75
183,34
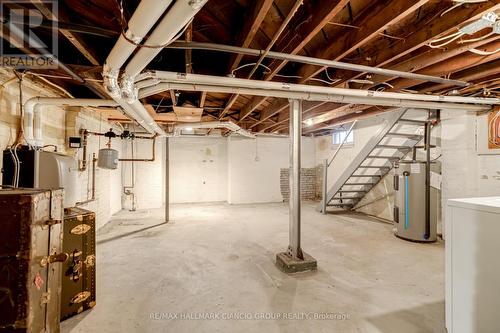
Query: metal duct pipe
x,y
144,18
148,12
32,111
319,97
177,17
214,124
312,61
279,86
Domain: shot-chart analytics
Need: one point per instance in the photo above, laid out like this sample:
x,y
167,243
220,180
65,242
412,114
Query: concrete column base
x,y
287,264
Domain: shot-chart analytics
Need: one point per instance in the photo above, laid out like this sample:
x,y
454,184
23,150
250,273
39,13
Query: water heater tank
x,y
409,203
108,159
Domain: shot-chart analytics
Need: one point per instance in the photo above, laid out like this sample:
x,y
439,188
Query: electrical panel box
x,y
75,142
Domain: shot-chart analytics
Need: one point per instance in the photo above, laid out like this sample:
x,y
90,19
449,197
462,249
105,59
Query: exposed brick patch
x,y
310,183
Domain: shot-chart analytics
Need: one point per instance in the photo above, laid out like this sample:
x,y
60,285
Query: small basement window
x,y
339,135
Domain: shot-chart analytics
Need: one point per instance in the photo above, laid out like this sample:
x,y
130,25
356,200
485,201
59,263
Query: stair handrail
x,y
343,142
326,165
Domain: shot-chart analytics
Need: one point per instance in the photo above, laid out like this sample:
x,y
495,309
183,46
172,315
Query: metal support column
x,y
167,180
294,176
294,259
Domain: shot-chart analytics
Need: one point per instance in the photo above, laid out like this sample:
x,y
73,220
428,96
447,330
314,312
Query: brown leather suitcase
x,y
78,274
30,260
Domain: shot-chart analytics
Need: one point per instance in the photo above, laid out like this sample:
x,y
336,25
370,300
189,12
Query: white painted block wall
x,y
198,169
214,169
465,172
254,167
55,132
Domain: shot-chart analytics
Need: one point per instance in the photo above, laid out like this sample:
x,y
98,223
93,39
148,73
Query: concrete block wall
x,y
308,184
214,169
466,173
198,169
58,124
254,167
147,182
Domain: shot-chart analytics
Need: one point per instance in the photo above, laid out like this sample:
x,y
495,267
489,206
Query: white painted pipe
x,y
148,12
33,118
177,17
312,61
318,97
144,18
279,86
214,124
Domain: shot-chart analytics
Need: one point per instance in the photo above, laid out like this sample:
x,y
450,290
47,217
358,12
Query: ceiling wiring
x,y
483,53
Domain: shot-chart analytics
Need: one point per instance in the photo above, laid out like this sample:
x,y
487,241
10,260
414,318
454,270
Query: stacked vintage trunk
x,y
78,275
30,260
44,279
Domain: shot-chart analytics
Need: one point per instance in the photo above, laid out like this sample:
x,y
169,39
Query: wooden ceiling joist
x,y
419,38
250,28
77,42
323,14
370,25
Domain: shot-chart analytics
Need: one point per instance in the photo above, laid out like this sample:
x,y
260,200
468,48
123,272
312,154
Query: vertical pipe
x,y
325,185
427,234
294,175
167,180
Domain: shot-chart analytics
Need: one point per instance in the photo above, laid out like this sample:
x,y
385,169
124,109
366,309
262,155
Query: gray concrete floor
x,y
218,260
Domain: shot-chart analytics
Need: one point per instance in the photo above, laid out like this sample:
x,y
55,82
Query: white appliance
x,y
472,232
57,171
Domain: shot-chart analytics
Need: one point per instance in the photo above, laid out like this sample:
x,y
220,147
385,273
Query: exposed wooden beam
x,y
421,36
280,105
248,109
428,58
452,65
472,74
203,98
370,25
424,33
173,97
321,16
350,117
308,107
319,121
77,42
250,27
189,53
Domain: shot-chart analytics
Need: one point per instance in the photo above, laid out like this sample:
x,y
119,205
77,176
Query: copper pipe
x,y
152,159
92,198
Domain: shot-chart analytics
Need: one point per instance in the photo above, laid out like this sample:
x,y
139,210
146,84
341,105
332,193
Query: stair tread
x,y
394,147
367,176
351,191
405,135
374,167
340,205
384,157
412,121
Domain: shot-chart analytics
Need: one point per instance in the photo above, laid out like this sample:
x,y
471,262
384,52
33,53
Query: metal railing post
x,y
325,185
